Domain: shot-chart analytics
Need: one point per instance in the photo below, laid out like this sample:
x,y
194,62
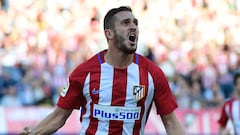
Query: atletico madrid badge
x,y
138,92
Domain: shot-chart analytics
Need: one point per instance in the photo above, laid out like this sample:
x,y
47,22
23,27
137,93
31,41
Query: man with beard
x,y
115,88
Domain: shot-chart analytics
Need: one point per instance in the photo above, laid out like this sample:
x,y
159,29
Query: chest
x,y
124,87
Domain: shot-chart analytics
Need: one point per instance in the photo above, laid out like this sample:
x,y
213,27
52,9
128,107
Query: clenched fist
x,y
25,131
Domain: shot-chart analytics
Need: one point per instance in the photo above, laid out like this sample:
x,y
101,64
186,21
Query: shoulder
x,y
149,65
83,68
146,63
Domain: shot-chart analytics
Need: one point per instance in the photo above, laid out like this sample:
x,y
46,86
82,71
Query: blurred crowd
x,y
195,42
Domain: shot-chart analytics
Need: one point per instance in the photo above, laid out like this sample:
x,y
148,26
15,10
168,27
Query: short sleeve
x,y
163,97
70,96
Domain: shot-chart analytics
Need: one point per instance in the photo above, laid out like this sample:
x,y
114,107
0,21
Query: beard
x,y
121,45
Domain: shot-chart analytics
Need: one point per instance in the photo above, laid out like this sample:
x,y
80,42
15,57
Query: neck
x,y
119,59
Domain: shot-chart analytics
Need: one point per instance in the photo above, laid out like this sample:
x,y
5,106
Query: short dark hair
x,y
109,17
235,77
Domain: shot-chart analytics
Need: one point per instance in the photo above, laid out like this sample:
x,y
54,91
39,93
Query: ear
x,y
109,34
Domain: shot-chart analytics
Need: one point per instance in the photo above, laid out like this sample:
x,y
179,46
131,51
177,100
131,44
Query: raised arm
x,y
50,124
172,125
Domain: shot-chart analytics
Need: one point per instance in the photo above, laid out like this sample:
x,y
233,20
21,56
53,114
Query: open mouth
x,y
132,37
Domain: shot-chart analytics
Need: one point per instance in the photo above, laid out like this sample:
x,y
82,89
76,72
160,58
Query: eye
x,y
126,22
135,22
129,21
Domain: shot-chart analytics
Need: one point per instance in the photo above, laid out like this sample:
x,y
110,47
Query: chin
x,y
131,51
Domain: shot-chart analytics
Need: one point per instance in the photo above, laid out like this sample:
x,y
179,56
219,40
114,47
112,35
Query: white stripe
x,y
148,100
235,114
105,94
85,118
106,84
235,110
133,79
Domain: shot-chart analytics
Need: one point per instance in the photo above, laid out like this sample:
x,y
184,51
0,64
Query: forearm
x,y
175,129
52,122
172,125
47,126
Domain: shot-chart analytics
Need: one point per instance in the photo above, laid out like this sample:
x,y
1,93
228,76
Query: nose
x,y
133,26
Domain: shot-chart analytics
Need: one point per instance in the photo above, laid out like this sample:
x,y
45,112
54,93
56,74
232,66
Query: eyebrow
x,y
134,19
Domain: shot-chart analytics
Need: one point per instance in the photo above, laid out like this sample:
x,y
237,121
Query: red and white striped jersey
x,y
116,101
231,111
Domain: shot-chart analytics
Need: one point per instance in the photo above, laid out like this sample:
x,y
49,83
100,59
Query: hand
x,y
25,131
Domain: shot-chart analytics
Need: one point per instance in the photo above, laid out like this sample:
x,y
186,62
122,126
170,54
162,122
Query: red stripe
x,y
94,84
143,74
230,109
118,98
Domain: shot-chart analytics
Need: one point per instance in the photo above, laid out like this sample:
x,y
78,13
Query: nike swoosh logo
x,y
94,91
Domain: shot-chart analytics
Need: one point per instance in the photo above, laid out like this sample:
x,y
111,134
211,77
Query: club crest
x,y
138,92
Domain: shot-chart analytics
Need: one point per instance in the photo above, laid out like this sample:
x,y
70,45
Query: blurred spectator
x,y
182,92
11,97
213,96
4,4
196,98
42,41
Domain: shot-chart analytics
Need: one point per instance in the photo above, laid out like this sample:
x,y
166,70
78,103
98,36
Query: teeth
x,y
132,37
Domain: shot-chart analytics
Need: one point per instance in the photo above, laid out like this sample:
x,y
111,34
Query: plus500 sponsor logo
x,y
116,114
